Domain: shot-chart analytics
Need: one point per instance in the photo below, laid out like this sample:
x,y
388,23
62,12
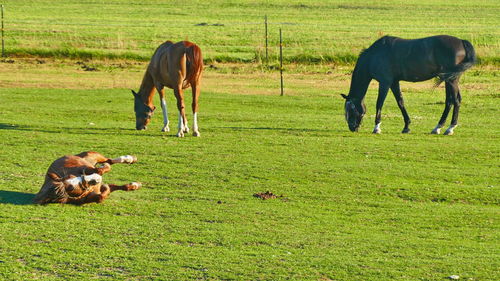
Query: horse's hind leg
x,y
126,187
383,88
396,90
456,99
195,87
447,106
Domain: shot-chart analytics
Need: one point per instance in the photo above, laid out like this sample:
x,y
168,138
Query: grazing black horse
x,y
392,59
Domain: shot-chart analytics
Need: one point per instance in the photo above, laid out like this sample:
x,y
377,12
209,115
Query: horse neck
x,y
147,89
360,80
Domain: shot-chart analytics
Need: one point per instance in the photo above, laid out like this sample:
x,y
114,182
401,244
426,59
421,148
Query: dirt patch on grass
x,y
267,195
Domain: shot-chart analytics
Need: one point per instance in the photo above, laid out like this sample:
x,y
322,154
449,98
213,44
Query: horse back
x,y
176,64
422,59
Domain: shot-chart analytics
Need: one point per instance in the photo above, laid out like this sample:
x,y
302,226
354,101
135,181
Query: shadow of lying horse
x,y
16,198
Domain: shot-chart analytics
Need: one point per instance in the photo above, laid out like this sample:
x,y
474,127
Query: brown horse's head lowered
x,y
143,112
177,66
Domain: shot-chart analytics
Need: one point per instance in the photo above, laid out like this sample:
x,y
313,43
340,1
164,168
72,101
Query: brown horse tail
x,y
194,63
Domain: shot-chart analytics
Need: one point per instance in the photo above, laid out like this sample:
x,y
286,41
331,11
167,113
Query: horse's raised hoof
x,y
186,130
134,186
131,159
406,131
196,134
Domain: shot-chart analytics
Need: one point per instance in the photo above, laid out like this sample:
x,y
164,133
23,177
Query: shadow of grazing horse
x,y
392,59
176,66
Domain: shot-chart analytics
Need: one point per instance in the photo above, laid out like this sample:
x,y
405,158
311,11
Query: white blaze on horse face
x,y
76,181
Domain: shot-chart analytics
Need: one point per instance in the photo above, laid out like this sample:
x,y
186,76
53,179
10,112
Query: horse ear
x,y
344,96
54,176
154,108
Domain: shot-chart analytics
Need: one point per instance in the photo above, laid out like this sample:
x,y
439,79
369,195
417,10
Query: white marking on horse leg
x,y
180,127
136,185
437,130
164,109
377,129
129,159
450,129
186,127
196,133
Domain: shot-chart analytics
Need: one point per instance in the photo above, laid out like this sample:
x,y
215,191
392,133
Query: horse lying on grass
x,y
77,179
392,59
176,66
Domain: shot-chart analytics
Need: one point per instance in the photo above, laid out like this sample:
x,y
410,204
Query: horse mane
x,y
194,62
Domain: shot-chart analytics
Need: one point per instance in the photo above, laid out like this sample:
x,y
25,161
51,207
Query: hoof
x,y
180,134
186,130
165,129
134,185
377,131
448,133
128,159
196,134
436,131
405,131
133,158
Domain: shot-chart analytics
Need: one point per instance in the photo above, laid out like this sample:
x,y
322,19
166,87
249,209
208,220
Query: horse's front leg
x,y
396,90
383,89
182,125
164,109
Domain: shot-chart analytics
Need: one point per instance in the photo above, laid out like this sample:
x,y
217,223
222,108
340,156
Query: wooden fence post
x,y
281,62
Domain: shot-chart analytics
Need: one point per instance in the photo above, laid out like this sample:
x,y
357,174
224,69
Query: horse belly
x,y
418,69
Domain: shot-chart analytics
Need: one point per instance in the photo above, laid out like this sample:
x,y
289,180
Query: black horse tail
x,y
469,60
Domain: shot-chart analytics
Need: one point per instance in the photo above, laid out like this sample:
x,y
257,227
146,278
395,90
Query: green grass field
x,y
313,31
351,206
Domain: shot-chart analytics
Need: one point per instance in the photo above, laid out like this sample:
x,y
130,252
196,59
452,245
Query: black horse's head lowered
x,y
354,112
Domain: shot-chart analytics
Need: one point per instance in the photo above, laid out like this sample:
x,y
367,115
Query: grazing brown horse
x,y
176,66
77,179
